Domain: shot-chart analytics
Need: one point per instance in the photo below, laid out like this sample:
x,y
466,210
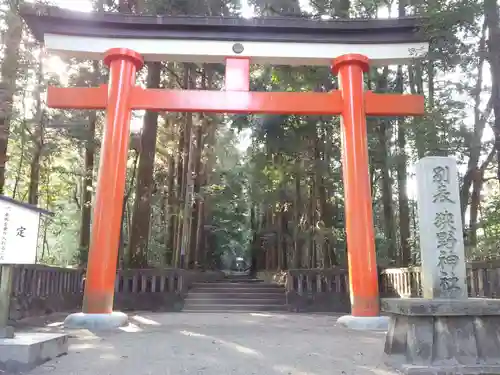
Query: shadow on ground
x,y
219,344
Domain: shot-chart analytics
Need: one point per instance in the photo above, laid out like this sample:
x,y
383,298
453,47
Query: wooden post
x,y
7,273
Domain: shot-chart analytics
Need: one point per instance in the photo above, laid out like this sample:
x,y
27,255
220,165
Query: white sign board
x,y
440,227
18,234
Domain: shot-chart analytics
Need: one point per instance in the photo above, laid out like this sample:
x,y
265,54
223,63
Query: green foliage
x,y
228,195
291,173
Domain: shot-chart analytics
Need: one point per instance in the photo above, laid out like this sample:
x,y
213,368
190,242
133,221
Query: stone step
x,y
235,301
232,294
233,308
238,285
240,280
237,282
233,311
237,291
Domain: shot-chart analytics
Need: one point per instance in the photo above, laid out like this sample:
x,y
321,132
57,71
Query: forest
x,y
221,186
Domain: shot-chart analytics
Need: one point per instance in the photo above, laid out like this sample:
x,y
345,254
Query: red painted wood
x,y
300,103
237,74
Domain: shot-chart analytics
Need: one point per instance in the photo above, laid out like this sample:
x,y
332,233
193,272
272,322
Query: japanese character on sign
x,y
20,231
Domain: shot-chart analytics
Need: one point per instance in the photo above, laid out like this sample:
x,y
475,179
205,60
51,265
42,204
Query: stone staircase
x,y
235,294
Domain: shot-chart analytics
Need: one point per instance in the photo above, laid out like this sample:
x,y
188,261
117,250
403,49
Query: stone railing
x,y
40,290
317,290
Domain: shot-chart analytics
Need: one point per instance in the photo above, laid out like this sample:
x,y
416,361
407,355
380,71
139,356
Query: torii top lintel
x,y
282,41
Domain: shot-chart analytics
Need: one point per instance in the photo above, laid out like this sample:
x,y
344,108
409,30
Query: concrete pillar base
x,y
364,323
96,322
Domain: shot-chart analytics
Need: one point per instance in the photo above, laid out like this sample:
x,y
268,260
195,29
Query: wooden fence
x,y
483,280
40,290
318,290
328,289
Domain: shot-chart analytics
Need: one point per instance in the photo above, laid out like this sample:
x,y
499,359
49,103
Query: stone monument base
x,y
443,336
96,322
27,350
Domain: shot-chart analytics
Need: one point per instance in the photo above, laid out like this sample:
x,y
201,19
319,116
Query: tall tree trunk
x,y
88,172
278,162
280,235
311,249
178,190
184,176
197,176
126,213
88,177
402,175
320,193
384,145
200,173
170,210
187,201
297,210
209,145
19,170
492,16
474,209
199,253
386,182
8,70
86,193
479,125
142,205
417,87
38,137
477,186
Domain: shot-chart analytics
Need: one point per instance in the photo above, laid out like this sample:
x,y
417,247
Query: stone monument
x,y
445,332
440,229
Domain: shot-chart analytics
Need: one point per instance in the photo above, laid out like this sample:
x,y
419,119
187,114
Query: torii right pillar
x,y
362,263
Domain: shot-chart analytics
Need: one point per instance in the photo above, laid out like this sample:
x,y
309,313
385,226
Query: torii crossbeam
x,y
121,96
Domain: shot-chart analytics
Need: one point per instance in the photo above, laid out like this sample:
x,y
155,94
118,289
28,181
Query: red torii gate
x,y
121,96
298,42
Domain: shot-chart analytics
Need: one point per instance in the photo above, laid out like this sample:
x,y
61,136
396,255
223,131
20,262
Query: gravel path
x,y
223,344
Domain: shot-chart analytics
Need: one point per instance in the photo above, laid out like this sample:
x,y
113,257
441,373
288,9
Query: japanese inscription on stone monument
x,y
440,227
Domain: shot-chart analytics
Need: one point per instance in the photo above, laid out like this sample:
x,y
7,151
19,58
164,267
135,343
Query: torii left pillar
x,y
97,312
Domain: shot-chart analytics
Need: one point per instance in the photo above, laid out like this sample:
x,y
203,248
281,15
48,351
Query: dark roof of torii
x,y
47,19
